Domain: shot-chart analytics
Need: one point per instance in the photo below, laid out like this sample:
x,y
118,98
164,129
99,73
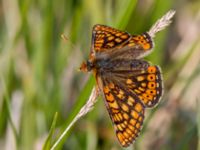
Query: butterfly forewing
x,y
105,38
113,43
125,110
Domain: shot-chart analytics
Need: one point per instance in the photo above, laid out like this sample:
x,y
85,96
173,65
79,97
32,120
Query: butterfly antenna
x,y
67,40
64,37
162,23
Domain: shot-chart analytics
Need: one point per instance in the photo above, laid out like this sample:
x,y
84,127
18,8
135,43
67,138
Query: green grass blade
x,y
48,141
124,15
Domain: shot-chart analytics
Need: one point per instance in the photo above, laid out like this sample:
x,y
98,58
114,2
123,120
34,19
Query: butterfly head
x,y
86,66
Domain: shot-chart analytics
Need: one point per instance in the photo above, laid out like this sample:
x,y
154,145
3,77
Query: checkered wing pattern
x,y
140,78
106,38
128,88
110,42
125,110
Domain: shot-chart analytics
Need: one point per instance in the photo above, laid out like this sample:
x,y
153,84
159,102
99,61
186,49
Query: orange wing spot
x,y
151,92
125,107
119,127
97,48
144,95
111,85
110,38
151,85
99,32
114,105
129,81
145,100
151,77
121,92
108,34
131,138
120,136
120,116
152,69
141,42
98,45
123,125
146,46
125,115
118,40
138,107
118,34
140,78
100,41
147,96
125,134
100,36
115,111
128,131
140,119
138,125
121,95
124,36
136,131
141,89
131,86
141,37
132,121
137,91
130,101
126,140
106,89
136,38
143,84
123,143
150,97
131,44
131,127
111,44
114,118
109,97
134,114
117,117
125,122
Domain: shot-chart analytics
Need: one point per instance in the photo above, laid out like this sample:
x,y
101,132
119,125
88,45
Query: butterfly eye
x,y
83,67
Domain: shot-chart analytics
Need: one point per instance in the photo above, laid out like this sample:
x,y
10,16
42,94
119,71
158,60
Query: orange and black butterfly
x,y
127,83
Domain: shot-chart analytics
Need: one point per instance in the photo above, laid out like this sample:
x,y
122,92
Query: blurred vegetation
x,y
39,77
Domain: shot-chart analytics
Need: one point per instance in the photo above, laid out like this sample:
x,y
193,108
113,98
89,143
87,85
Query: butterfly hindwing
x,y
125,110
149,89
141,78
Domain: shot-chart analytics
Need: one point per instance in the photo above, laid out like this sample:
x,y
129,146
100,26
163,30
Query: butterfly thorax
x,y
95,64
87,66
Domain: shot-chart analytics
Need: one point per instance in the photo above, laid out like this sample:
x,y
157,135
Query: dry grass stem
x,y
161,23
84,110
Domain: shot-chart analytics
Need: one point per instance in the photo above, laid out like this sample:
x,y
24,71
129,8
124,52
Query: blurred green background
x,y
39,77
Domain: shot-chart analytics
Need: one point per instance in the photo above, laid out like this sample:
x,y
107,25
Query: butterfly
x,y
127,83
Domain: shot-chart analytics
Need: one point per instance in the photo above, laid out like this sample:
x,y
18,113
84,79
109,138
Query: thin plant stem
x,y
84,110
162,23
